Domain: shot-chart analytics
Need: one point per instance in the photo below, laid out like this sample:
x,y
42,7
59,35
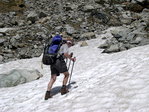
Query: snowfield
x,y
117,82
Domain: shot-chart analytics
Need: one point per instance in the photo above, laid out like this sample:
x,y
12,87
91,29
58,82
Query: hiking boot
x,y
64,90
48,95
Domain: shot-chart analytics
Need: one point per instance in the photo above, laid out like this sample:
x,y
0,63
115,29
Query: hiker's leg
x,y
50,84
64,89
66,76
52,80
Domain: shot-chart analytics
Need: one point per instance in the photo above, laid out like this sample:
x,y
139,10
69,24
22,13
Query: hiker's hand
x,y
73,59
71,54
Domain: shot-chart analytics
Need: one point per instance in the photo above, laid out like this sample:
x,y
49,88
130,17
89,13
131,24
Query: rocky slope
x,y
26,25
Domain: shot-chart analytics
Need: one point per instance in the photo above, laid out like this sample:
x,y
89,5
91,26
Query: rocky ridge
x,y
27,24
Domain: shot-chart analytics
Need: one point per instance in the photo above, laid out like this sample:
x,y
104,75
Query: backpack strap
x,y
58,54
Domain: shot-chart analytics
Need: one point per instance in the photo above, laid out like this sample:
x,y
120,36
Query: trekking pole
x,y
71,73
70,61
66,61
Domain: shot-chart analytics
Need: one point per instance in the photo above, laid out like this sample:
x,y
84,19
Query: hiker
x,y
60,67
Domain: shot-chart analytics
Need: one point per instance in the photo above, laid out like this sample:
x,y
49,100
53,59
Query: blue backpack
x,y
51,50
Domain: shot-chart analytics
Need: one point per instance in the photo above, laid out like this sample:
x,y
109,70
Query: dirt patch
x,y
12,5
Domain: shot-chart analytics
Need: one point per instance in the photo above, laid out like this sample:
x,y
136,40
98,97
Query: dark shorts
x,y
58,67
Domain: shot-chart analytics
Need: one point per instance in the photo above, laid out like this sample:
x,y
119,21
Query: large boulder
x,y
83,44
88,8
2,40
112,48
1,25
18,76
1,58
133,7
32,16
125,38
69,29
143,3
87,36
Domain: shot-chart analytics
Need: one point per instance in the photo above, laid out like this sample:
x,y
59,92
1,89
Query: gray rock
x,y
1,58
14,22
4,30
70,29
122,47
103,17
130,37
117,36
104,45
58,28
70,7
113,41
9,55
1,35
2,25
122,31
144,41
2,41
83,44
137,40
32,16
88,8
112,48
114,21
22,53
42,14
13,42
17,37
18,76
126,20
134,7
87,36
21,22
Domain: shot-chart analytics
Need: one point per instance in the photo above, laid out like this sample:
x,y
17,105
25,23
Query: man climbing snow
x,y
60,67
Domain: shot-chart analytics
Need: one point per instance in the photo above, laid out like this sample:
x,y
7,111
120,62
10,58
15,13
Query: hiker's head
x,y
61,34
57,33
70,42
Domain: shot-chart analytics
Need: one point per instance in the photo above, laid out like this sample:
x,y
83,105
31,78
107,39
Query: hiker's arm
x,y
69,56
